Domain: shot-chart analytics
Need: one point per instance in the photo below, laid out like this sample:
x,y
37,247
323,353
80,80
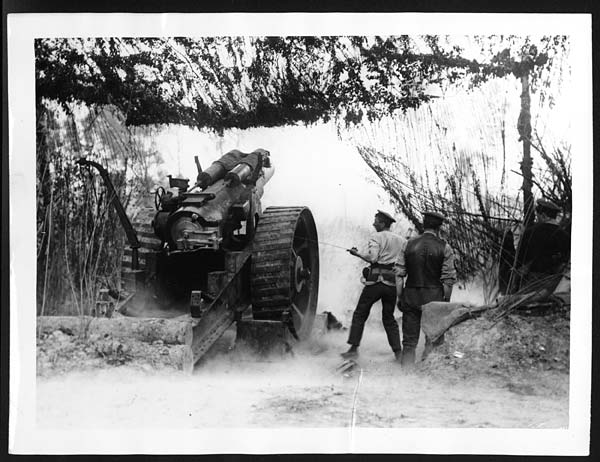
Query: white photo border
x,y
25,438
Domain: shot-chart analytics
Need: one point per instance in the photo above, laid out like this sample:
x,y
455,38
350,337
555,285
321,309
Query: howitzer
x,y
210,252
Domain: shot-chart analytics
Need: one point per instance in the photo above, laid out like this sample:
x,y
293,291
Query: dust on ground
x,y
512,374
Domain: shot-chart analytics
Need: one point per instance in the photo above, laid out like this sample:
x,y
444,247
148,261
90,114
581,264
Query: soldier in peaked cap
x,y
543,250
386,217
379,279
427,263
547,207
435,216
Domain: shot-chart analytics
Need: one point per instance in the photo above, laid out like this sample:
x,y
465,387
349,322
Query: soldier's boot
x,y
408,357
351,353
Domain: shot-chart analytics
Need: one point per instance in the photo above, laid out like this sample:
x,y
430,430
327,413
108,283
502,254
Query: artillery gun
x,y
210,254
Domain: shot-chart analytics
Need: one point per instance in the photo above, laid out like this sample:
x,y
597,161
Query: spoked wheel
x,y
158,197
285,268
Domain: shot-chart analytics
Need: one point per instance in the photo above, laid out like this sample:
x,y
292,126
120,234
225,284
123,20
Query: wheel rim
x,y
285,267
306,258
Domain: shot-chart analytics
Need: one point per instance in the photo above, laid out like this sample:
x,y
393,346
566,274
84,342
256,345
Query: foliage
x,y
554,178
543,57
455,155
79,235
478,219
240,82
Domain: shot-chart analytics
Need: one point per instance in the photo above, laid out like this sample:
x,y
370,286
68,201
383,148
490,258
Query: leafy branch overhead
x,y
241,82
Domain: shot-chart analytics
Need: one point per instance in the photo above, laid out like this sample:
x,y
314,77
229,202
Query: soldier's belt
x,y
385,266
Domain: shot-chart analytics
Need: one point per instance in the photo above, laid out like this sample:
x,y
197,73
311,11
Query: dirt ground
x,y
513,374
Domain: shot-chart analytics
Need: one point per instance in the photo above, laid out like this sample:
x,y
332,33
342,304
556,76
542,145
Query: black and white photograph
x,y
300,233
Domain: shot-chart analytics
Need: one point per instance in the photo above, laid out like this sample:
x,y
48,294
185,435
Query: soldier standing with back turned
x,y
380,284
544,250
427,262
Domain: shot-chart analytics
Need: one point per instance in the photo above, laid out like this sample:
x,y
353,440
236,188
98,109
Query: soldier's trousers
x,y
411,301
369,296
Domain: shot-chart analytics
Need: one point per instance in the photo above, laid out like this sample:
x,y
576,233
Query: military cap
x,y
387,215
548,205
433,214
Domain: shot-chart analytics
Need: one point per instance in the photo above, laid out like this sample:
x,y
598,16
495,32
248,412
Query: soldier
x,y
543,250
379,279
427,262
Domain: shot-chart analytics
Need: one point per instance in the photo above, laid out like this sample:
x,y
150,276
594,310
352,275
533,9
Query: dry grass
x,y
80,240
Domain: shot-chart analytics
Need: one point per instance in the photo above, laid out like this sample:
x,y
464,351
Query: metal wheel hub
x,y
302,274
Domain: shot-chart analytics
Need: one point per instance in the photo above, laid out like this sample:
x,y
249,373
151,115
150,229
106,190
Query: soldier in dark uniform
x,y
543,250
427,262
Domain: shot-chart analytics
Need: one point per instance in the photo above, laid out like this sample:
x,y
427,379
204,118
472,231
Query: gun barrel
x,y
266,176
215,172
238,174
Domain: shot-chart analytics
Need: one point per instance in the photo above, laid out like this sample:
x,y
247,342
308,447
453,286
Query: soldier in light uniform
x,y
379,279
427,262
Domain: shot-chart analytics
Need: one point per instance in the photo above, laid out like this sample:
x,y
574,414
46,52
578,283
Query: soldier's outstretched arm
x,y
372,253
354,251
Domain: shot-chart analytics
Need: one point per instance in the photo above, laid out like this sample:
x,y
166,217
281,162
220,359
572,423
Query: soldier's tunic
x,y
428,263
383,249
544,250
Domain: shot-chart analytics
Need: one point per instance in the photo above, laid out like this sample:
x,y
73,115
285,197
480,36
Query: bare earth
x,y
234,389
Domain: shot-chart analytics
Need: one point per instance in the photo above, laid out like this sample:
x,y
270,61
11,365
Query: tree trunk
x,y
524,128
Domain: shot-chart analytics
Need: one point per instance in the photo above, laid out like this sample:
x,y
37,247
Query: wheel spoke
x,y
297,310
302,246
